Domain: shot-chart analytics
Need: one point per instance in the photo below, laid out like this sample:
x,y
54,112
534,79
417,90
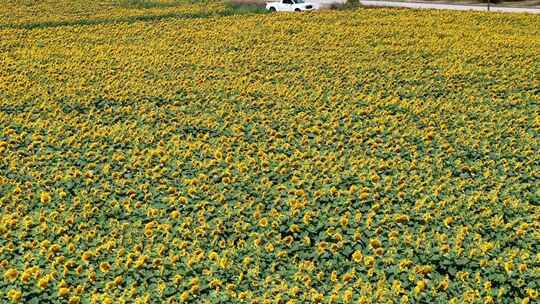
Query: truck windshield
x,y
298,1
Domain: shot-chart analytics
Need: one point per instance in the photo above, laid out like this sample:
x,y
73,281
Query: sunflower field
x,y
182,154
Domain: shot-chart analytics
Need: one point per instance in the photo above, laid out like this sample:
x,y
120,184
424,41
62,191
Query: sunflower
x,y
14,295
11,274
63,291
44,197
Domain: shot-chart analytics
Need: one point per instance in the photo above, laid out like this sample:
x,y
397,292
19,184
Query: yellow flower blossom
x,y
63,291
11,274
44,197
104,267
357,256
14,295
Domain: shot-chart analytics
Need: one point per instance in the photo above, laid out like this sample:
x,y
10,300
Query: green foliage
x,y
149,3
245,8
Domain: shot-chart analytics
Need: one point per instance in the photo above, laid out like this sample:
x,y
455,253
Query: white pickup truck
x,y
290,6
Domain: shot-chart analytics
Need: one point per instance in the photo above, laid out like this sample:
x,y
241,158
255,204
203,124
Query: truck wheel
x,y
297,10
272,9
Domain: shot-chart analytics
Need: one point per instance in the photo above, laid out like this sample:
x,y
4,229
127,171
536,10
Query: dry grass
x,y
257,3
